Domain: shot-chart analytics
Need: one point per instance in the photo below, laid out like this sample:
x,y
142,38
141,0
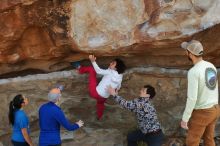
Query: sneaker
x,y
75,64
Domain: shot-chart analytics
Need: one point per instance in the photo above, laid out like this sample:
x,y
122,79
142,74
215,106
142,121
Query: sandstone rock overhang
x,y
46,35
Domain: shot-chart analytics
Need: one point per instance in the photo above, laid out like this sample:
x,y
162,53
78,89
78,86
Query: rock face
x,y
169,102
47,35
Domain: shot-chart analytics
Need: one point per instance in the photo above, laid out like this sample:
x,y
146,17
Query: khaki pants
x,y
202,124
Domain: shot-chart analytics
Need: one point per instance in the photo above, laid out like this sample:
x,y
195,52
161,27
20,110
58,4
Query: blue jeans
x,y
152,139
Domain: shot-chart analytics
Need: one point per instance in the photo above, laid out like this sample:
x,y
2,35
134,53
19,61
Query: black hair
x,y
150,90
15,104
194,54
120,66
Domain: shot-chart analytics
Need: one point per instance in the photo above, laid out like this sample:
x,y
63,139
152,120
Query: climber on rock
x,y
111,76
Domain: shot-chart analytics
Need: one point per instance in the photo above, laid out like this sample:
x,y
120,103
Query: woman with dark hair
x,y
111,77
19,121
149,128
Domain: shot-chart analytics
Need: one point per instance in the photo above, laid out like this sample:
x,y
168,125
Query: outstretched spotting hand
x,y
92,58
80,123
184,125
112,91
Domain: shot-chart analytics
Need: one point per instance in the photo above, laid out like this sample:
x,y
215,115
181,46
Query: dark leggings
x,y
154,139
15,143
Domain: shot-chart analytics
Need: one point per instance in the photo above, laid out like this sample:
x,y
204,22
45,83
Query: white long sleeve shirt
x,y
110,78
202,90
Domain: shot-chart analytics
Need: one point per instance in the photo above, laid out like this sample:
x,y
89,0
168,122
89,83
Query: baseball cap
x,y
193,46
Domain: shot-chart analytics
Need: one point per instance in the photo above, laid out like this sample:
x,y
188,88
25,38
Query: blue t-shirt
x,y
21,121
51,117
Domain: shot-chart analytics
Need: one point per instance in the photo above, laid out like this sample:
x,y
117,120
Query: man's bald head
x,y
54,94
55,91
